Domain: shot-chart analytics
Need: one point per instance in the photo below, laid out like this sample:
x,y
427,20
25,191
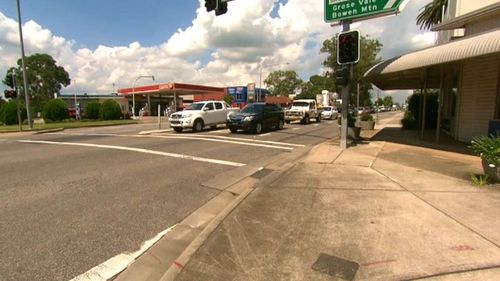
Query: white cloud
x,y
224,50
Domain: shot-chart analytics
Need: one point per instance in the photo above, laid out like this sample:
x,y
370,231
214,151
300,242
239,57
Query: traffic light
x,y
342,76
220,6
9,78
210,5
348,47
10,94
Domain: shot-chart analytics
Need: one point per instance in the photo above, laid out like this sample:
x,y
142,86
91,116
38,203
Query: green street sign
x,y
337,10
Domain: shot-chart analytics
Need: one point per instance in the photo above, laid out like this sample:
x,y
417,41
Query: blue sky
x,y
111,23
100,43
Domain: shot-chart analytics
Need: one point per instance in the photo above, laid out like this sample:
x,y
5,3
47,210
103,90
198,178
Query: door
x,y
209,113
220,112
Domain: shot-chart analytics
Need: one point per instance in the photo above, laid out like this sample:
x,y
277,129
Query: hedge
x,y
8,112
110,110
92,110
55,110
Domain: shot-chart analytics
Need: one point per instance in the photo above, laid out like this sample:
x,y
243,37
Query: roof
x,y
406,71
490,11
179,88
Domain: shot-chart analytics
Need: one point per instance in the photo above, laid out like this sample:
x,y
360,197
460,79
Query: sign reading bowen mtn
x,y
337,10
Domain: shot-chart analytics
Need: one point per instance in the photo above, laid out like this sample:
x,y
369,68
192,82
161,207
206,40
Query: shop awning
x,y
408,71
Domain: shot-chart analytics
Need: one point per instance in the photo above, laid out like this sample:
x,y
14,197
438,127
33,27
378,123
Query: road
x,y
71,200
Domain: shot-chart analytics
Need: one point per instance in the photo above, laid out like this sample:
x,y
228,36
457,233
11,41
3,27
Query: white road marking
x,y
212,138
118,263
295,128
141,150
264,135
252,140
315,125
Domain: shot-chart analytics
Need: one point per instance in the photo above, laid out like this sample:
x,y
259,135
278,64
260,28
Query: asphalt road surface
x,y
71,200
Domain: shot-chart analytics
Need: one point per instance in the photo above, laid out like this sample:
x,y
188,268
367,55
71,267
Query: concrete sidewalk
x,y
381,210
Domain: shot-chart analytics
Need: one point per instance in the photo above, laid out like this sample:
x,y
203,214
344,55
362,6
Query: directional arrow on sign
x,y
355,10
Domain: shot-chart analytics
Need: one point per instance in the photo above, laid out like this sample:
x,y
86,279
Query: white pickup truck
x,y
200,114
303,110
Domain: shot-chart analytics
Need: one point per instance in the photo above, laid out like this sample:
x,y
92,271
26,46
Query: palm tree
x,y
432,13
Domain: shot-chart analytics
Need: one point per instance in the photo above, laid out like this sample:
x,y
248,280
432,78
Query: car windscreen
x,y
194,106
253,108
327,108
301,104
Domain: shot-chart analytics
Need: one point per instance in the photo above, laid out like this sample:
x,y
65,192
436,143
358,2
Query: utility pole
x,y
25,81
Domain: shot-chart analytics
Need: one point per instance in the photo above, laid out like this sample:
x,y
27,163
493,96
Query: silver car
x,y
329,112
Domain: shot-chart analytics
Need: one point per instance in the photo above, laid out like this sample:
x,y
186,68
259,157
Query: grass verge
x,y
66,125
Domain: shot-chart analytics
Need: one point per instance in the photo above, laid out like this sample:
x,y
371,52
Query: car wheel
x,y
305,120
178,130
287,121
318,119
280,125
198,125
258,128
233,130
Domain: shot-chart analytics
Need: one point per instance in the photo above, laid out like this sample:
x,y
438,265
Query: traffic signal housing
x,y
342,76
348,47
9,79
210,5
220,6
10,94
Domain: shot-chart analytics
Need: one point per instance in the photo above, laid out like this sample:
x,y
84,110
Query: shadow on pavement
x,y
407,137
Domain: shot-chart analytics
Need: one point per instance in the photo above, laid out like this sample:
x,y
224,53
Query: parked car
x,y
200,114
257,117
329,112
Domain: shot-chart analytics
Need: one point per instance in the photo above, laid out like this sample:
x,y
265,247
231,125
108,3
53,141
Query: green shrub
x,y
110,110
488,148
55,110
92,110
409,122
366,117
431,109
8,112
351,120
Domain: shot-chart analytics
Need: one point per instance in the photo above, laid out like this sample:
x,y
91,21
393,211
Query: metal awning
x,y
408,71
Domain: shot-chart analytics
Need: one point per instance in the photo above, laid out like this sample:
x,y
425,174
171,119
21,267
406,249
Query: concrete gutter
x,y
166,258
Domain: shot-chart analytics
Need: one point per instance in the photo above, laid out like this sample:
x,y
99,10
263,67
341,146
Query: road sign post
x,y
345,97
354,10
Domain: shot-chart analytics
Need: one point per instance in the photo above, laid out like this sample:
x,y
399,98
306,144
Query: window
x,y
218,105
210,106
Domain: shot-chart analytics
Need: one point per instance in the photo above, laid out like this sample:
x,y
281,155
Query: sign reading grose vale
x,y
337,10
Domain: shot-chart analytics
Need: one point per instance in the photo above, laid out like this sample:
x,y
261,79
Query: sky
x,y
106,45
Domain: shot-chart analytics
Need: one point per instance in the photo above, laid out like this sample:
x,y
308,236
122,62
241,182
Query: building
x,y
241,97
464,65
174,95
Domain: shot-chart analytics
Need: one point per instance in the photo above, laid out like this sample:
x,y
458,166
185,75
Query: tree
x,y
369,56
388,101
432,13
44,78
315,85
283,83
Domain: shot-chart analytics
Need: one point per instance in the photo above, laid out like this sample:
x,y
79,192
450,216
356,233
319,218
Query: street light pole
x,y
133,91
25,81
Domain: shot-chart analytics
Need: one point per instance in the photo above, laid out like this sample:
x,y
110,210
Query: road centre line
x,y
212,138
140,150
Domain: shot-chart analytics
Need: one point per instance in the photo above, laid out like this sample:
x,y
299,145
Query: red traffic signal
x,y
348,47
10,94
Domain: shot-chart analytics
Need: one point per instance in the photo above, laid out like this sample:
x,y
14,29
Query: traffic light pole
x,y
345,99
